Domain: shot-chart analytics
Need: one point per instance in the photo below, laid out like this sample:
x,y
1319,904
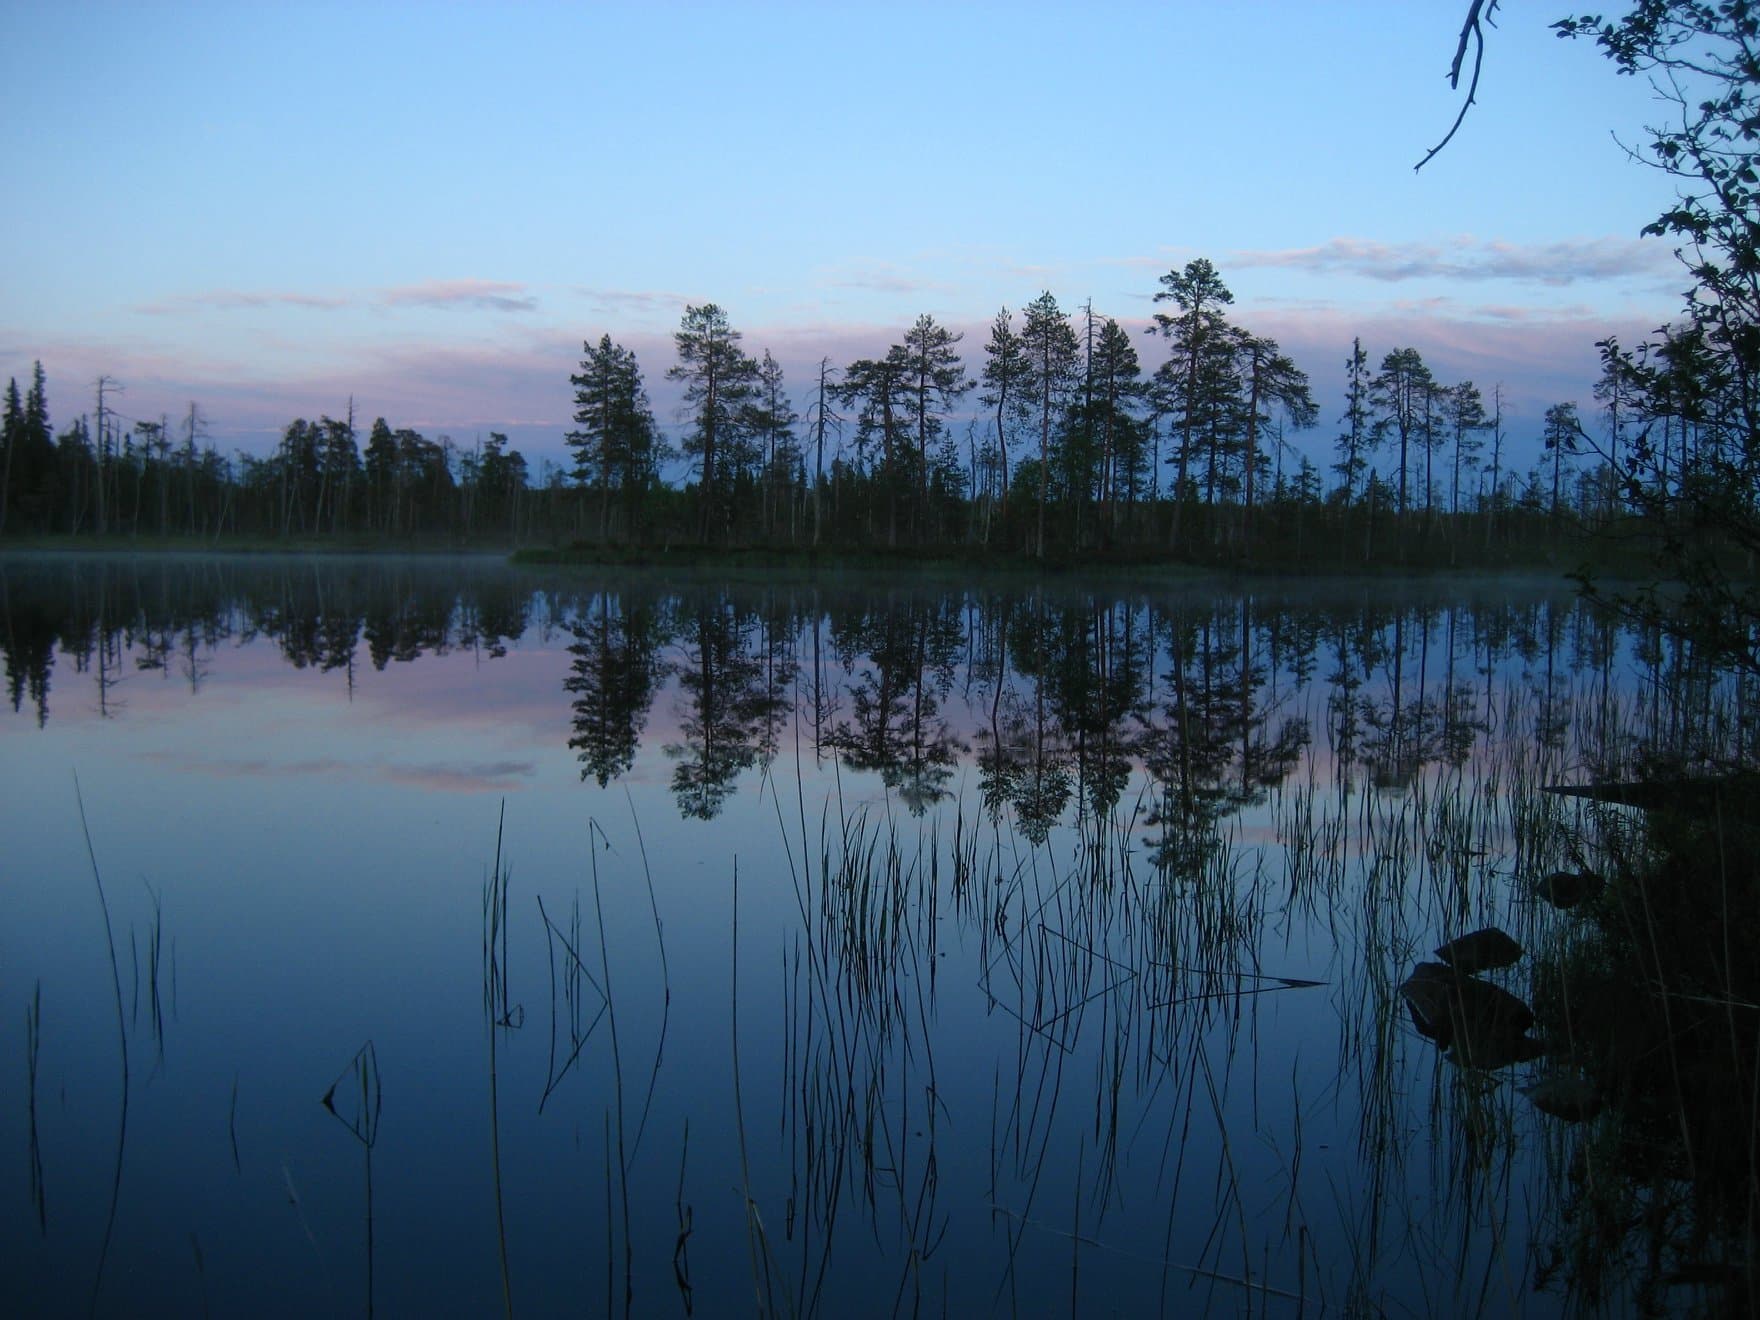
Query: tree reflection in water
x,y
1152,806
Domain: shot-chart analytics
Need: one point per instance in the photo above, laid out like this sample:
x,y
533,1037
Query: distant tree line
x,y
105,477
1067,447
1073,447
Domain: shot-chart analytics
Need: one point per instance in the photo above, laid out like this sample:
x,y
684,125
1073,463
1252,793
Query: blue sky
x,y
269,208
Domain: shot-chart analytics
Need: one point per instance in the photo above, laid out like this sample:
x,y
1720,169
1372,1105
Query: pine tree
x,y
1559,438
935,379
877,389
1618,391
1399,394
771,422
1272,382
1186,382
1004,375
1050,351
1465,408
821,417
719,381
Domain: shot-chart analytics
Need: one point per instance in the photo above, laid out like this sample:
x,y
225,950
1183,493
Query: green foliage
x,y
1684,408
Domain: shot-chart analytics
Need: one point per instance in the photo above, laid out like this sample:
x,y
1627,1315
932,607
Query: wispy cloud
x,y
633,301
878,277
482,295
228,300
478,295
1567,261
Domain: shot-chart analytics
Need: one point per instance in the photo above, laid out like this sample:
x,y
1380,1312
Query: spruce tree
x,y
1355,440
614,442
11,427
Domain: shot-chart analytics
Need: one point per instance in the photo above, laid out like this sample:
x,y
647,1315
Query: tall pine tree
x,y
719,380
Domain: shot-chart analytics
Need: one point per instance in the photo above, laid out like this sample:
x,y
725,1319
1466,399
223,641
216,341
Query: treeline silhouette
x,y
1055,442
1053,699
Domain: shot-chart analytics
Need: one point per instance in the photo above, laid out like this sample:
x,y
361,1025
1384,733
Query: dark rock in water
x,y
1425,1026
1428,992
1566,1096
1497,1049
1692,795
1485,1025
1566,889
1480,950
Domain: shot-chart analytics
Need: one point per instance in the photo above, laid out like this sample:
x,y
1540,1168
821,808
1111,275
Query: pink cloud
x,y
479,295
1555,264
635,302
236,300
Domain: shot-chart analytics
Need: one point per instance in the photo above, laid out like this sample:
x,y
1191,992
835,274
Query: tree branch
x,y
1480,11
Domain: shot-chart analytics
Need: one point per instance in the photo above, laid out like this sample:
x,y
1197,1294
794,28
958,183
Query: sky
x,y
271,209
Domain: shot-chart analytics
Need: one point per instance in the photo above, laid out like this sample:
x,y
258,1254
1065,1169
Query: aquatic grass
x,y
623,1157
498,1017
574,971
155,962
764,1274
122,1051
232,1126
359,1110
1110,1004
681,1262
299,1211
33,1038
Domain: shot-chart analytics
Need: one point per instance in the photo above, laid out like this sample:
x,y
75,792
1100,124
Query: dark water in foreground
x,y
863,947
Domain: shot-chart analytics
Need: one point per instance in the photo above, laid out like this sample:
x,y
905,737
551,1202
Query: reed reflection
x,y
1169,872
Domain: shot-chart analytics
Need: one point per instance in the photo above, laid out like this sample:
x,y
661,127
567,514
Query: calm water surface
x,y
860,947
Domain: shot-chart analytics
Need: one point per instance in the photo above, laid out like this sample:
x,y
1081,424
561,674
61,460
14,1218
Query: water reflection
x,y
1090,958
615,673
732,673
1054,698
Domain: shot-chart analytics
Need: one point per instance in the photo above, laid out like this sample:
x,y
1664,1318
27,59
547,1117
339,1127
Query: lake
x,y
446,938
